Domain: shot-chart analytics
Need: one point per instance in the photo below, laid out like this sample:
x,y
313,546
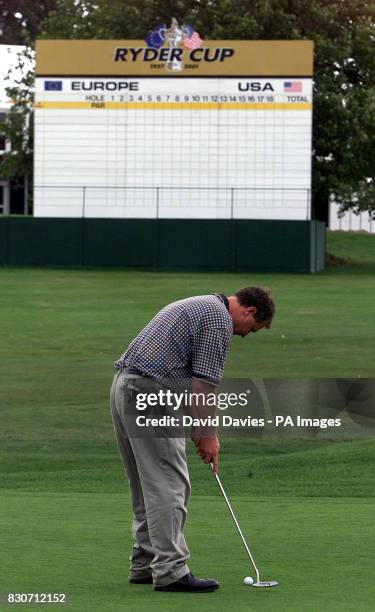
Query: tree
x,y
20,20
111,19
17,164
19,25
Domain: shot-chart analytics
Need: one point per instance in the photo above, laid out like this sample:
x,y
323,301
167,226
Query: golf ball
x,y
248,580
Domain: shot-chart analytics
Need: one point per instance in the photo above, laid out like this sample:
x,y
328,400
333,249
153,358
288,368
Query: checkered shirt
x,y
188,338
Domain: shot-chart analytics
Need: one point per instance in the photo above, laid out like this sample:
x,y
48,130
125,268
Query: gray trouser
x,y
160,488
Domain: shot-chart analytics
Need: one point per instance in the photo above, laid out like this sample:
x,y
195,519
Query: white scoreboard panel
x,y
207,147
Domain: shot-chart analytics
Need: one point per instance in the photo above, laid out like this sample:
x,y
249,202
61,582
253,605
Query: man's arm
x,y
205,437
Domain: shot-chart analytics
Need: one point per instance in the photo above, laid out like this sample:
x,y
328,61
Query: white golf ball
x,y
248,580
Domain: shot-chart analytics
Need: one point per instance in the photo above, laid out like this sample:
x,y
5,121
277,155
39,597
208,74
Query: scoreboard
x,y
226,136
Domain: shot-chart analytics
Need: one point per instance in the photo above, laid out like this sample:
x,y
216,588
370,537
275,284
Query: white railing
x,y
172,202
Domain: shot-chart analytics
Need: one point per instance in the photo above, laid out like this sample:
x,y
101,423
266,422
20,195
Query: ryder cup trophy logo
x,y
175,36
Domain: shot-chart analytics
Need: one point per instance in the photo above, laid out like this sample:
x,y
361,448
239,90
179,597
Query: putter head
x,y
270,583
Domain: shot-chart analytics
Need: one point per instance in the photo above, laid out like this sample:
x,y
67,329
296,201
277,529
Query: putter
x,y
259,582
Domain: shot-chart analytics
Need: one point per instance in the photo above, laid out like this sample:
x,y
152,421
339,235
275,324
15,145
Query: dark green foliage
x,y
343,34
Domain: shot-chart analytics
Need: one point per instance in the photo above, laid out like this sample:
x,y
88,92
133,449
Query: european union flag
x,y
53,85
155,38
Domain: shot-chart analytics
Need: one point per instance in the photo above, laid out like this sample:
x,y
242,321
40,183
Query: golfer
x,y
187,339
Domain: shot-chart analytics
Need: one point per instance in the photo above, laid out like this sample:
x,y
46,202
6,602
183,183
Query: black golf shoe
x,y
147,580
190,584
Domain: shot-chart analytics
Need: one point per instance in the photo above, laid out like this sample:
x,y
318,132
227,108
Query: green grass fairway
x,y
306,507
358,247
320,550
79,321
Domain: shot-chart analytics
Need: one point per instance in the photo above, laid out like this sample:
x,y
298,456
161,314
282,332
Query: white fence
x,y
350,222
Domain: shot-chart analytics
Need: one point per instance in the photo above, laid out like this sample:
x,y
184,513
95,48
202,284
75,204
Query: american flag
x,y
193,41
292,86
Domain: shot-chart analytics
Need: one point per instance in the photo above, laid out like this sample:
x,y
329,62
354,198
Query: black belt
x,y
143,379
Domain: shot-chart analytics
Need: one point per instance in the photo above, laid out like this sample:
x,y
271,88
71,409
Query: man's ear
x,y
252,310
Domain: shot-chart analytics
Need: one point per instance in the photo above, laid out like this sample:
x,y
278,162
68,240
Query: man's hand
x,y
208,449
